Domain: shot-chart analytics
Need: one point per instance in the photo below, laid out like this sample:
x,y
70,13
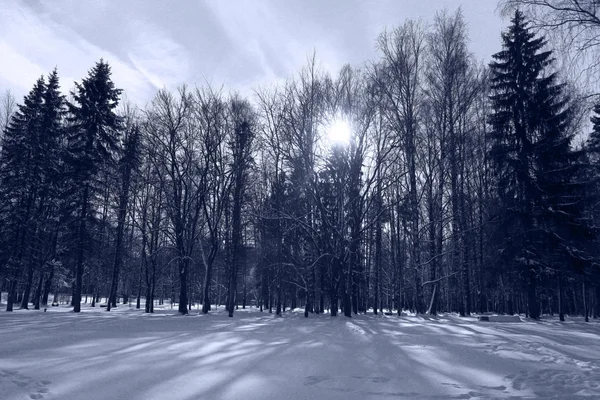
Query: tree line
x,y
462,187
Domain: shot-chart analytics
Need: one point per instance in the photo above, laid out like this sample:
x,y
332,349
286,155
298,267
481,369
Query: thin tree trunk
x,y
28,284
585,302
38,291
561,300
81,244
533,306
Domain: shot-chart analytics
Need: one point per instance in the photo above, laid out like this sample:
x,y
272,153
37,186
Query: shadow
x,y
128,354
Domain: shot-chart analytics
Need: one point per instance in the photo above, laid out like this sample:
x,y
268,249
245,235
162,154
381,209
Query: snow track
x,y
126,354
12,383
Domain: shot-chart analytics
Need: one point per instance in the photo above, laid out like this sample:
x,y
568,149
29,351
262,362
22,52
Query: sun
x,y
338,132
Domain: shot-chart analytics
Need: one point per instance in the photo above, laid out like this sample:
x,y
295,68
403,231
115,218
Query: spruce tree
x,y
535,169
92,143
52,204
593,157
20,167
46,155
593,142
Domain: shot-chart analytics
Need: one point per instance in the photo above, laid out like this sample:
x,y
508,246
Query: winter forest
x,y
423,182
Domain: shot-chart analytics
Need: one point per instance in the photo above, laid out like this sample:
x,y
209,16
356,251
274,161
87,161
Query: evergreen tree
x,y
593,157
52,188
241,147
20,177
593,142
535,169
92,143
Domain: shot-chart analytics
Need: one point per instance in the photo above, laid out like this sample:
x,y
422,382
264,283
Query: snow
x,y
126,354
500,318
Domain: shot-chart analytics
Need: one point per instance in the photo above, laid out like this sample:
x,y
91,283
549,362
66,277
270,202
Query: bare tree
x,y
126,168
272,106
150,222
303,116
210,112
8,106
402,51
173,134
452,86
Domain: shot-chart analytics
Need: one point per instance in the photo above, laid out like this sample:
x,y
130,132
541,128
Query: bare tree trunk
x,y
28,284
81,244
585,302
597,302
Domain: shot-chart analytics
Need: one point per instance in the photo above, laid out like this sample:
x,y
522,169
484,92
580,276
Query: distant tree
x,y
8,106
243,123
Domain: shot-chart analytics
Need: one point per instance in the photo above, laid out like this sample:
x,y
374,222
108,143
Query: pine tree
x,y
92,142
535,169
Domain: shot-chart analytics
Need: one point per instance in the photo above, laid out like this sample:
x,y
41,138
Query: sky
x,y
238,44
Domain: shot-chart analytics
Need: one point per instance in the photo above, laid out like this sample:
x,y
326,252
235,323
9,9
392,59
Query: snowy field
x,y
126,354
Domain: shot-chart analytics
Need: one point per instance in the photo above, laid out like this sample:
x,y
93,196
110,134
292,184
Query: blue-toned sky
x,y
235,43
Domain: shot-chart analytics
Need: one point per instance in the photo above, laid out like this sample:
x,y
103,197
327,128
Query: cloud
x,y
28,53
238,44
17,70
162,61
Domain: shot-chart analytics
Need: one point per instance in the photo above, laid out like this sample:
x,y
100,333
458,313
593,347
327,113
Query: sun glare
x,y
339,132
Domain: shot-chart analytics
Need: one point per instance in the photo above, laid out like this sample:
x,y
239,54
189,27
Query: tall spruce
x,y
52,190
593,156
92,143
535,168
20,168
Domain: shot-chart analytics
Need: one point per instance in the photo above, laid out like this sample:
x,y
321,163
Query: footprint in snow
x,y
40,391
454,385
554,383
314,380
501,387
38,388
374,379
379,379
7,372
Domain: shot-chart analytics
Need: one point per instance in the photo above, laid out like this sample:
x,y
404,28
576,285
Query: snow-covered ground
x,y
126,354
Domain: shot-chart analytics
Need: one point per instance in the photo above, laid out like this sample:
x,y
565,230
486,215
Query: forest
x,y
423,180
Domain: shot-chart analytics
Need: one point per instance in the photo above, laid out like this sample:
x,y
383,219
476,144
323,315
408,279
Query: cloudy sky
x,y
239,44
